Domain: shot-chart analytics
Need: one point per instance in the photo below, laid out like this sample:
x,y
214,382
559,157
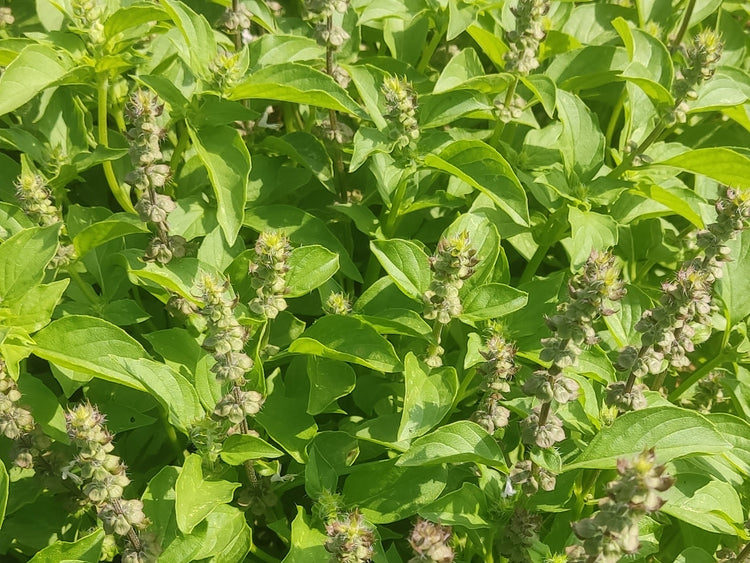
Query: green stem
x,y
683,27
171,435
87,290
121,194
627,162
500,124
179,150
437,331
697,375
616,111
552,231
238,31
424,61
744,554
262,555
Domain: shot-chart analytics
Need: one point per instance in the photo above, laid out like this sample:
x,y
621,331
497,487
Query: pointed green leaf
x,y
672,432
195,497
349,340
227,160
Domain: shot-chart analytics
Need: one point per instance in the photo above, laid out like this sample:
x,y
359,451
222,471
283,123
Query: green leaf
x,y
275,49
704,502
91,346
132,16
179,276
462,67
694,555
672,432
736,431
437,110
399,321
33,70
589,231
330,453
306,150
298,83
33,310
197,33
12,220
88,549
174,393
676,201
719,163
406,263
386,492
225,155
23,258
238,448
283,414
44,405
329,380
492,300
466,507
428,398
195,497
302,228
544,89
4,482
492,45
458,442
581,141
349,340
734,286
307,543
483,168
228,536
648,52
309,267
114,227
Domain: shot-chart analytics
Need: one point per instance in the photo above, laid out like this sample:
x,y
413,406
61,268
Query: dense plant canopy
x,y
389,281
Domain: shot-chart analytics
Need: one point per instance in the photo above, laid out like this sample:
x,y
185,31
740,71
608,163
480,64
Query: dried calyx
x,y
669,329
497,370
350,538
592,294
431,543
102,478
226,339
150,174
612,532
700,60
524,40
453,262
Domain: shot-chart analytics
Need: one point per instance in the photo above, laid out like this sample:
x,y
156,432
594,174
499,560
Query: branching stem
x,y
120,193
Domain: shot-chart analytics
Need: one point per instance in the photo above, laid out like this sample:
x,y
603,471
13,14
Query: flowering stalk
x,y
701,59
151,173
37,202
401,105
497,370
669,328
267,271
453,262
592,291
16,422
613,531
102,478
